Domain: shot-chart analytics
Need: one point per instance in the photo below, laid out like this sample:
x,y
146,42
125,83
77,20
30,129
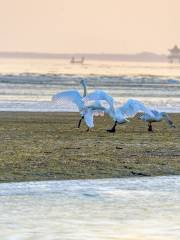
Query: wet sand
x,y
48,146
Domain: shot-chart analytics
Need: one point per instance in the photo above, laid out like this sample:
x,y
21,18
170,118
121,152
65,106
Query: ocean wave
x,y
69,79
33,91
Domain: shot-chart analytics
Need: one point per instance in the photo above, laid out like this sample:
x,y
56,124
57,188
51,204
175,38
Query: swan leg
x,y
150,129
88,129
79,123
113,129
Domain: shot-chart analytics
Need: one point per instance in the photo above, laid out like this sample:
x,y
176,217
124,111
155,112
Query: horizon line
x,y
88,53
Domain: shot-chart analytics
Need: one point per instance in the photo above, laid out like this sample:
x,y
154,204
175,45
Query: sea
x,y
28,84
108,209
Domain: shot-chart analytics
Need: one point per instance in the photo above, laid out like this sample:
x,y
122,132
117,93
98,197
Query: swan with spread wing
x,y
130,109
86,108
120,115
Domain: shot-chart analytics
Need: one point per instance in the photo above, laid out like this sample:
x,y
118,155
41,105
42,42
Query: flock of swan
x,y
99,102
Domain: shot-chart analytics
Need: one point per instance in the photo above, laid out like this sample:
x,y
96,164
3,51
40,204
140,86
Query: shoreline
x,y
37,146
92,179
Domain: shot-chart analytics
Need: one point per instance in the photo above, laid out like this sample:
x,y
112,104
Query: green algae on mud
x,y
48,146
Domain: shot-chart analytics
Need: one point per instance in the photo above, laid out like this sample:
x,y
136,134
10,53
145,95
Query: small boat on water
x,y
79,61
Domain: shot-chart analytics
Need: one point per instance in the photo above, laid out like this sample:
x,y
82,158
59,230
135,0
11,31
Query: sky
x,y
89,26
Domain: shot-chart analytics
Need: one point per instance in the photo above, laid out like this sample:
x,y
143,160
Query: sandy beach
x,y
48,146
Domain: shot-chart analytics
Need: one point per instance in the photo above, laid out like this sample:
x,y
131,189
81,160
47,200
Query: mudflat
x,y
48,146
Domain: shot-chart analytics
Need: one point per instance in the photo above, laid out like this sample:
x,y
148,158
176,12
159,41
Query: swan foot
x,y
79,123
113,129
150,129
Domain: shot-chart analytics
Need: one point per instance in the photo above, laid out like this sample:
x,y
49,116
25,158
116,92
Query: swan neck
x,y
84,88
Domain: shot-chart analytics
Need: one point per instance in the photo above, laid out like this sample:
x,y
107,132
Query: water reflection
x,y
136,208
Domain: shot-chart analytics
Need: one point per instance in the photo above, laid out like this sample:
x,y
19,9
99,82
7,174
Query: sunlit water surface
x,y
135,208
28,84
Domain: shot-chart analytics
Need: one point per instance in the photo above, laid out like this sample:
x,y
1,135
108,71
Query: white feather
x,y
88,117
132,107
100,96
72,96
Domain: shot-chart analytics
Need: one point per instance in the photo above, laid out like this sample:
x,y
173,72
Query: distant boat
x,y
79,61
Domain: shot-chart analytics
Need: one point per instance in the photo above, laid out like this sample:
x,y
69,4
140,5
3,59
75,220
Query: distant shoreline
x,y
138,57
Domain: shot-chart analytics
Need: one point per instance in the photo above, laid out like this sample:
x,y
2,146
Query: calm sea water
x,y
111,209
27,85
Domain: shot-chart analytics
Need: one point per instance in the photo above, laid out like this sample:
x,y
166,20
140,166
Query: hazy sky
x,y
94,26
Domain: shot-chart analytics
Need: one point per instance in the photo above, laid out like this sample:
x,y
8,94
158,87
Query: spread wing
x,y
132,107
100,96
72,97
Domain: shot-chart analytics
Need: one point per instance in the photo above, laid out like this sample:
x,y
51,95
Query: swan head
x,y
168,120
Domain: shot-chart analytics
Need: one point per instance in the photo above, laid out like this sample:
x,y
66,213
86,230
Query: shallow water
x,y
127,208
28,85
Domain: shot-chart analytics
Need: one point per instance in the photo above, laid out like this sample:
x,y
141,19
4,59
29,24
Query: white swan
x,y
130,109
86,108
121,114
156,117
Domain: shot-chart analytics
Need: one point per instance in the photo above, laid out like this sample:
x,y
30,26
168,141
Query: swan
x,y
120,115
157,117
130,109
86,108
